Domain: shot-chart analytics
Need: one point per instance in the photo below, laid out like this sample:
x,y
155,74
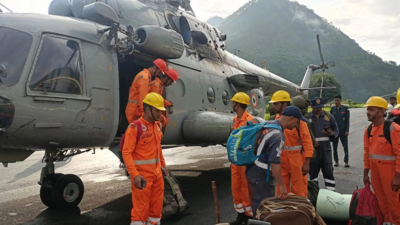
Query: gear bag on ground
x,y
293,210
174,203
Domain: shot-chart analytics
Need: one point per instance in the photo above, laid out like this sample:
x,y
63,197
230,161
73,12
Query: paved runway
x,y
107,197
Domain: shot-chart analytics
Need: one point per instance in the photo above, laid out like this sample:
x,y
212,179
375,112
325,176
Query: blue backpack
x,y
243,143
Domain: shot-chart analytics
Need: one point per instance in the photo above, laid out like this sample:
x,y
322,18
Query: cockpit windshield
x,y
14,49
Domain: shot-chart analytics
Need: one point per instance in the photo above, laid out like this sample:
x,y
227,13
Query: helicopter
x,y
65,79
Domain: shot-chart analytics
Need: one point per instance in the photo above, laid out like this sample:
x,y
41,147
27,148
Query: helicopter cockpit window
x,y
58,68
14,49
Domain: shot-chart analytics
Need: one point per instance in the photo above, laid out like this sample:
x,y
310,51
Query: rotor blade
x,y
320,51
6,7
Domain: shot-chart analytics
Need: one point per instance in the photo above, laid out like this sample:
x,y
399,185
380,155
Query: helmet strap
x,y
155,72
152,115
280,109
164,83
235,105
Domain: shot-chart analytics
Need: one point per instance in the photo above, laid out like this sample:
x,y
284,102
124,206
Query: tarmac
x,y
107,198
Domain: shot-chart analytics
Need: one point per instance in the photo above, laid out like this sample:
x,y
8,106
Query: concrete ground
x,y
107,197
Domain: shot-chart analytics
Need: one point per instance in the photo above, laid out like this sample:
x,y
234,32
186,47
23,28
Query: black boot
x,y
241,219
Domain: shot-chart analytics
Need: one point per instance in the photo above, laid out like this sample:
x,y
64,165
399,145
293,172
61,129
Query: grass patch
x,y
357,106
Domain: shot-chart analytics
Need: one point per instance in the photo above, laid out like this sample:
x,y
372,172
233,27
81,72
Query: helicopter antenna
x,y
5,7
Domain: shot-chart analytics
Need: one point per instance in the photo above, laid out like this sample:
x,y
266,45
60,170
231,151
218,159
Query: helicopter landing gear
x,y
58,190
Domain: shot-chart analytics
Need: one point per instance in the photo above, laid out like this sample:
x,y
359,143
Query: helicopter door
x,y
57,87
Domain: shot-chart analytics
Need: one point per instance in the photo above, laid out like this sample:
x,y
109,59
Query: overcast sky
x,y
374,24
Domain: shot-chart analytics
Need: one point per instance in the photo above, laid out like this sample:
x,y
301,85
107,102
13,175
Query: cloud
x,y
372,23
343,22
205,9
300,15
31,6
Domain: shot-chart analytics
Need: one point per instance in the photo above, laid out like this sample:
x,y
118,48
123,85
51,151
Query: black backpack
x,y
393,116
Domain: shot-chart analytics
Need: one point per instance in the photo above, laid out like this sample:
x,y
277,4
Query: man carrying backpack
x,y
326,130
145,162
297,151
261,183
382,157
240,190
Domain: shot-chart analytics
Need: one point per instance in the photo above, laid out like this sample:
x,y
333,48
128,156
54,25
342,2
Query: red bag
x,y
367,209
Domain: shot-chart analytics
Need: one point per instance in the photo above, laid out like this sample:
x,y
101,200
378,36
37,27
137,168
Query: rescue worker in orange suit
x,y
383,159
140,88
145,163
158,84
297,150
240,192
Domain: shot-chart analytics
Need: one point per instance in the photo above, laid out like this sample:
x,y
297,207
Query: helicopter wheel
x,y
45,196
67,191
46,193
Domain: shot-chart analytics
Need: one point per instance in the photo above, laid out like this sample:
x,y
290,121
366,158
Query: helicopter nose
x,y
7,111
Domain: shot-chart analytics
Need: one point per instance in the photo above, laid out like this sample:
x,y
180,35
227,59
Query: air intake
x,y
250,79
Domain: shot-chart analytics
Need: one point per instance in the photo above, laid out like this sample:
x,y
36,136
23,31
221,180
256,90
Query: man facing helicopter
x,y
141,87
158,84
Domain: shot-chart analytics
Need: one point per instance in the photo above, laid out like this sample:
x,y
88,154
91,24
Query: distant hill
x,y
284,33
215,21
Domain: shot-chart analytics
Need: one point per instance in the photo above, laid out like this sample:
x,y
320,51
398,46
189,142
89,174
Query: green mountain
x,y
215,21
284,33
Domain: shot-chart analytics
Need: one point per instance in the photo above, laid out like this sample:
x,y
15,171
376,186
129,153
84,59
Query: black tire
x,y
46,197
68,191
46,193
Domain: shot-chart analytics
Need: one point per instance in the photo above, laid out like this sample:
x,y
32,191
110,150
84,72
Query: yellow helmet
x,y
375,101
155,100
241,98
280,96
398,98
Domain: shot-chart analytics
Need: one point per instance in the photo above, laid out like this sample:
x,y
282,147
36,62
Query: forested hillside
x,y
284,33
215,21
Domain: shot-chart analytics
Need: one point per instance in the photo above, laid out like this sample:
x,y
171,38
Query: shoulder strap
x,y
369,129
273,126
138,134
139,129
298,132
299,138
386,130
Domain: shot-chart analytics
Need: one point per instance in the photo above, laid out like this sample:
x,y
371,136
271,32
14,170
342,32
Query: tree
x,y
329,81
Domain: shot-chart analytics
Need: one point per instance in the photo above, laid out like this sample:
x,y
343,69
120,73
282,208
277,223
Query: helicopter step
x,y
58,190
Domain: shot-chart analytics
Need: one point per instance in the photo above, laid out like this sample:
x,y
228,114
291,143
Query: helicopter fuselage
x,y
63,86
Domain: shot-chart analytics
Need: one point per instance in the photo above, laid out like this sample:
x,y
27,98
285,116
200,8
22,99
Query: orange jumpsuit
x,y
158,87
383,160
138,90
292,159
241,199
145,158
